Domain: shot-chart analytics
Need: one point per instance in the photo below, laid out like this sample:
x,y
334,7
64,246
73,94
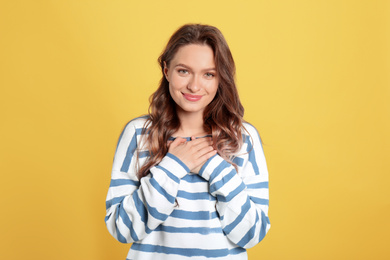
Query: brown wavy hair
x,y
223,117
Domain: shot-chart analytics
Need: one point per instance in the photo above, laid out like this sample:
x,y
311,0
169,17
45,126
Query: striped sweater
x,y
174,214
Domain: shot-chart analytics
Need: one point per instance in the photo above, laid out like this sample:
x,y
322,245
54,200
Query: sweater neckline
x,y
172,138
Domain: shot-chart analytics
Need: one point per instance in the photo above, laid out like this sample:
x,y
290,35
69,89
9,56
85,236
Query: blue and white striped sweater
x,y
175,214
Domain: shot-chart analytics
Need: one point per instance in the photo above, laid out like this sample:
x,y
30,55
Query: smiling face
x,y
192,78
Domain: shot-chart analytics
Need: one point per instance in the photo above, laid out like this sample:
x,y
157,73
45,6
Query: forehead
x,y
196,56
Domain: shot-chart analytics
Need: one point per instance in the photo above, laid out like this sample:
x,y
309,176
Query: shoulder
x,y
135,125
133,128
138,122
250,134
249,129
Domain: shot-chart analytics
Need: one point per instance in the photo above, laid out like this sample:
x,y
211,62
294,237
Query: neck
x,y
191,124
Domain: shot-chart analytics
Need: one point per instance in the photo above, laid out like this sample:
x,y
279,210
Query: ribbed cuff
x,y
212,167
174,165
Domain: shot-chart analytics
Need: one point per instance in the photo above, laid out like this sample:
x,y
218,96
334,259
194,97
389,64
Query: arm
x,y
242,198
136,207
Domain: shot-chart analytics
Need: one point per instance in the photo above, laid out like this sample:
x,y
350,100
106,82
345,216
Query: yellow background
x,y
313,77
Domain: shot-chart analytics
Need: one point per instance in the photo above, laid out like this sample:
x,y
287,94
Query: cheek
x,y
178,82
174,91
212,88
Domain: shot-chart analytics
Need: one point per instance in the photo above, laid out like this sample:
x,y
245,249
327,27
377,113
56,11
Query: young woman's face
x,y
192,78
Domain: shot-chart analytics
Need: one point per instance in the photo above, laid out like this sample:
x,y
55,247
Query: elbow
x,y
256,239
118,232
120,236
123,240
257,232
265,226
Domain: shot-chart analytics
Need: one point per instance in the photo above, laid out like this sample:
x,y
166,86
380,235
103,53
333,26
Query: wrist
x,y
174,165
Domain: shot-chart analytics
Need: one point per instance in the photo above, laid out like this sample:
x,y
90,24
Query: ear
x,y
166,71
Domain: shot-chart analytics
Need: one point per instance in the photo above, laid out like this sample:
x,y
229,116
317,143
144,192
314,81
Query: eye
x,y
209,75
182,71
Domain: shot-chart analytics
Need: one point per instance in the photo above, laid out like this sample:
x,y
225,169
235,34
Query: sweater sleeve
x,y
136,207
242,197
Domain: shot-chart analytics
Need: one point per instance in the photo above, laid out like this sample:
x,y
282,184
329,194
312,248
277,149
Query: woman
x,y
189,180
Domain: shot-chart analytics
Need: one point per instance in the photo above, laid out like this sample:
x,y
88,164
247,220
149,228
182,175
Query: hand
x,y
193,153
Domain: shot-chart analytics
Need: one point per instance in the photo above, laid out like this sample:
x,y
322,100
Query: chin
x,y
189,109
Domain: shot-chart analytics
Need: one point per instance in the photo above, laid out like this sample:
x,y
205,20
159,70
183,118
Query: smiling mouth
x,y
192,98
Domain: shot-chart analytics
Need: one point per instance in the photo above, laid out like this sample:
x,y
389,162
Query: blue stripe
x,y
238,161
174,138
129,154
264,221
258,135
259,185
244,209
120,237
232,194
189,252
126,220
143,154
216,186
120,182
193,178
252,156
114,201
187,138
173,157
223,165
195,195
155,213
197,230
206,164
260,201
236,251
131,149
120,137
162,191
194,215
170,175
141,209
140,131
250,234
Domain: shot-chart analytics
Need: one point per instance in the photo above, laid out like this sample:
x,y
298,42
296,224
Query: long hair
x,y
222,117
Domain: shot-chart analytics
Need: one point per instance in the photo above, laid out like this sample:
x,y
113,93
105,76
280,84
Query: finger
x,y
204,151
202,159
178,140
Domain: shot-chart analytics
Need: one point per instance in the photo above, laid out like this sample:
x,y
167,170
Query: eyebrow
x,y
187,67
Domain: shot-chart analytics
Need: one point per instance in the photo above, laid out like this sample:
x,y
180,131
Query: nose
x,y
194,84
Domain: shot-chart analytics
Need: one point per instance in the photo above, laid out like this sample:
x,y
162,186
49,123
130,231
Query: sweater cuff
x,y
174,165
212,167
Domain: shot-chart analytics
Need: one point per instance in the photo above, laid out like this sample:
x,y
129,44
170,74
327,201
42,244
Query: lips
x,y
191,97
